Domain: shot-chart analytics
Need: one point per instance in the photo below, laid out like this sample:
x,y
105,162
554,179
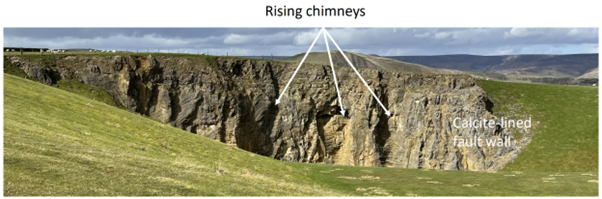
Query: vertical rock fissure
x,y
382,136
174,97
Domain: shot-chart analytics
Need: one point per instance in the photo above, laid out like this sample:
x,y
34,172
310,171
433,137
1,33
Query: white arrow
x,y
334,75
358,74
302,60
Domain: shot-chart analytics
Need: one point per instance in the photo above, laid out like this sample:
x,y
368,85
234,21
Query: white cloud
x,y
422,35
305,38
236,39
264,39
583,33
442,35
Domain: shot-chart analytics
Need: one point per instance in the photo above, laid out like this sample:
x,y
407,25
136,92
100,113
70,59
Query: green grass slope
x,y
567,136
58,143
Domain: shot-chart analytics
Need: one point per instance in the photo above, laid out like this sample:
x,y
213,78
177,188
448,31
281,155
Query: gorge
x,y
233,101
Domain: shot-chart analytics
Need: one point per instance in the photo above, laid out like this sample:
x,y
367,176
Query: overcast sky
x,y
289,41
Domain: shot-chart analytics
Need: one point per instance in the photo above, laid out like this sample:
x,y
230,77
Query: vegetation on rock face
x,y
86,90
57,143
10,68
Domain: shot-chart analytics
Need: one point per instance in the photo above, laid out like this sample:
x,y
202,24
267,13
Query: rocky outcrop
x,y
233,101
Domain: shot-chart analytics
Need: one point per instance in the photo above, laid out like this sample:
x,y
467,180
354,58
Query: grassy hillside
x,y
60,143
590,74
567,136
572,65
365,61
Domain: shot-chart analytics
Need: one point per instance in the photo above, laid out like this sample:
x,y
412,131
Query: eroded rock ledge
x,y
232,100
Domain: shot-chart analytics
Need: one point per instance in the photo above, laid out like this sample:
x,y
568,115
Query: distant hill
x,y
367,61
574,65
591,74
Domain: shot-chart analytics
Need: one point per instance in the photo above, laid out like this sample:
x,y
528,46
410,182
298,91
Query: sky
x,y
292,41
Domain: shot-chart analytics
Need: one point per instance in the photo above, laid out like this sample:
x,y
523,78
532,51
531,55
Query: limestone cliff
x,y
232,100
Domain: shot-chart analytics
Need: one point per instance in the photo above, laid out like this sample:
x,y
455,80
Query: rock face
x,y
233,101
